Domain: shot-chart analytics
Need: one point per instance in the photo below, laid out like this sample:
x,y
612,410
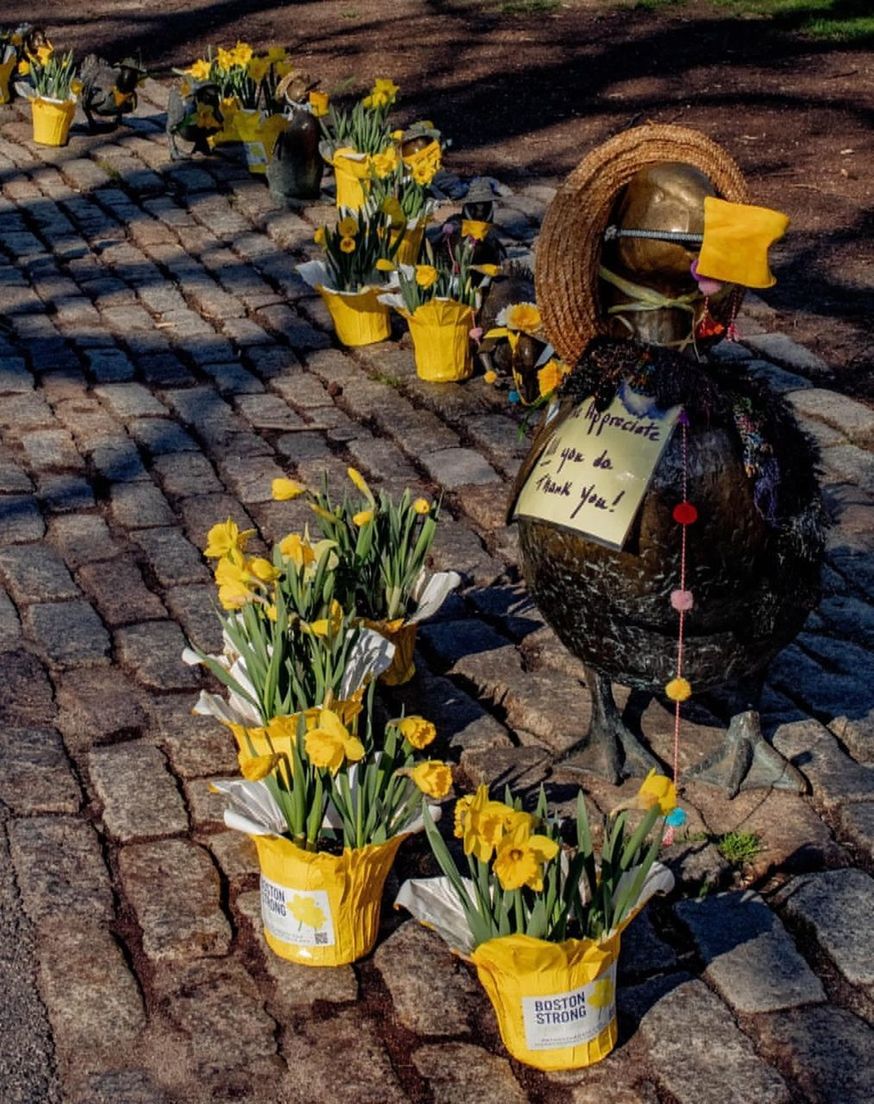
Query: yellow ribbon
x,y
648,299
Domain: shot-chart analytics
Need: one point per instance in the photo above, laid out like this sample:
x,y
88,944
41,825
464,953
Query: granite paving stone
x,y
64,493
152,651
27,697
60,870
93,1000
295,986
35,572
433,994
747,954
10,626
139,506
96,704
828,1051
51,448
174,890
857,824
36,776
82,538
836,907
219,1010
140,797
171,557
196,608
196,746
69,634
696,1064
20,519
460,1071
345,1057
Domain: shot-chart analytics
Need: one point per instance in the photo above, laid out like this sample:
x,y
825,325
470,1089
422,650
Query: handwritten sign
x,y
595,469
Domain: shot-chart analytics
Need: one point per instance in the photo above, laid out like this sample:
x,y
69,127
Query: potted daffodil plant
x,y
326,796
358,144
381,545
541,919
357,257
52,87
438,299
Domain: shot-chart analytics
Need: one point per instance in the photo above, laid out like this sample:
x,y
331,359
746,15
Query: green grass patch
x,y
841,20
739,848
528,7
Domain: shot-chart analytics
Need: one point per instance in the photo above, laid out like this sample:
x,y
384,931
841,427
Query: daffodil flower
x,y
418,732
225,539
433,778
521,858
283,489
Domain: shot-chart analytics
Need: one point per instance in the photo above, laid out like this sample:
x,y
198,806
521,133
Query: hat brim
x,y
572,235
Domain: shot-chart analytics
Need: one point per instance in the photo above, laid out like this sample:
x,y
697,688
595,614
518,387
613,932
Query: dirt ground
x,y
527,96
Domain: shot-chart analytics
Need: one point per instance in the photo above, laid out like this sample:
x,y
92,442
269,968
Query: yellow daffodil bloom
x,y
282,68
347,245
392,207
205,118
225,58
348,226
462,809
433,778
302,551
225,539
284,489
360,483
276,53
473,228
44,54
656,789
330,743
422,506
326,626
385,163
319,235
521,858
234,584
551,375
258,767
383,94
262,569
24,67
320,103
523,316
242,54
487,822
199,70
258,68
423,175
362,518
385,265
418,732
397,135
426,275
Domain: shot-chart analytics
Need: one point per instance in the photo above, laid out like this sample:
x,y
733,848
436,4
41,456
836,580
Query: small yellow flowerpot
x,y
359,318
403,635
555,1002
320,909
410,249
352,174
52,120
258,133
440,330
7,68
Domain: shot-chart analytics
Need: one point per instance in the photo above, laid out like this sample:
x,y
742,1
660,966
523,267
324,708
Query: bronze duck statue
x,y
635,322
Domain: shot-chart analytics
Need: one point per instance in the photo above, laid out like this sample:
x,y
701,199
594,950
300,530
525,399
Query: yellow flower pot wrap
x,y
352,174
320,909
410,249
7,68
359,318
555,1002
403,635
441,340
52,121
258,133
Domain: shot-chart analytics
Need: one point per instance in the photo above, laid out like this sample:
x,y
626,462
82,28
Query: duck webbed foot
x,y
610,748
746,761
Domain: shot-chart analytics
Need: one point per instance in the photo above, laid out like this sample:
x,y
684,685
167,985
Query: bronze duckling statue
x,y
635,322
108,91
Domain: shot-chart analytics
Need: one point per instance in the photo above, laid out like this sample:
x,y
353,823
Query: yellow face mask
x,y
737,237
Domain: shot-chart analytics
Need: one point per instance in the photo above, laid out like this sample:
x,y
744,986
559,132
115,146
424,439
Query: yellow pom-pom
x,y
678,690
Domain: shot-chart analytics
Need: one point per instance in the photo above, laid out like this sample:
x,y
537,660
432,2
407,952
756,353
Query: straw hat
x,y
569,247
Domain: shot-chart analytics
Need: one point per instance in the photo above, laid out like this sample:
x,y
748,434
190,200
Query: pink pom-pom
x,y
682,600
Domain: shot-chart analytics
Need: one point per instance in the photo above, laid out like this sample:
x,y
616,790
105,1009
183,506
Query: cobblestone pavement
x,y
163,364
